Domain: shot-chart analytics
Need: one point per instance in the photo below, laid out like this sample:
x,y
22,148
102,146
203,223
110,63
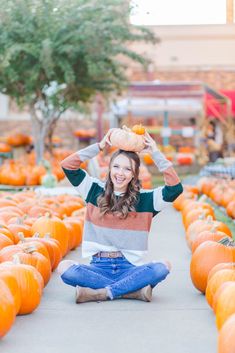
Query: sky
x,y
178,12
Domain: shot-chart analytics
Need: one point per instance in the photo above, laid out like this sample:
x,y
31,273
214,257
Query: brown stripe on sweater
x,y
140,221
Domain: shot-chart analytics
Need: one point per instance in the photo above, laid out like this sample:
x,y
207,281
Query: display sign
x,y
166,132
187,131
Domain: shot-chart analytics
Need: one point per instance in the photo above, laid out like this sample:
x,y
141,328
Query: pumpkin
x,y
218,293
215,282
30,283
226,338
212,234
178,203
33,242
138,129
5,148
11,282
75,227
225,305
205,257
53,248
31,257
221,266
5,241
230,209
55,227
203,224
185,158
19,227
49,180
194,214
127,140
148,159
7,309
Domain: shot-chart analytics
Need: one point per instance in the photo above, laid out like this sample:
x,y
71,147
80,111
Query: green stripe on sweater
x,y
75,176
170,193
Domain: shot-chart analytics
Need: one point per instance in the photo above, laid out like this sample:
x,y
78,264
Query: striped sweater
x,y
110,233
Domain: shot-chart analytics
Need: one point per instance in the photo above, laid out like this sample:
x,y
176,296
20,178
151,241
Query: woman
x,y
117,224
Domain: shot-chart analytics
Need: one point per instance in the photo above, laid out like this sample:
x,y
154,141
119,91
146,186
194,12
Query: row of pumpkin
x,y
24,171
221,192
212,266
32,246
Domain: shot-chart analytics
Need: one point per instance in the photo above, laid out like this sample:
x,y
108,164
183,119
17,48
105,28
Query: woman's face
x,y
121,172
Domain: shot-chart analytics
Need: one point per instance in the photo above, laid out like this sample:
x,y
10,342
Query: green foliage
x,y
76,44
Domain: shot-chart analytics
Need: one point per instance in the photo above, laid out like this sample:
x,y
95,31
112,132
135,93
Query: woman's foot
x,y
144,294
85,294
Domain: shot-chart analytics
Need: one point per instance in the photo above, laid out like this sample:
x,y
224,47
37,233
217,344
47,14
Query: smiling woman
x,y
118,220
178,12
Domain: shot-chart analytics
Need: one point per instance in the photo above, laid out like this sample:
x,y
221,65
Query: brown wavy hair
x,y
108,202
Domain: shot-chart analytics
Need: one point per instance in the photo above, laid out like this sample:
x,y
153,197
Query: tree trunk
x,y
49,136
42,130
39,131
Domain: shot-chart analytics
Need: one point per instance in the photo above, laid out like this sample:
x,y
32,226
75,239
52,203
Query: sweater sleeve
x,y
172,188
78,177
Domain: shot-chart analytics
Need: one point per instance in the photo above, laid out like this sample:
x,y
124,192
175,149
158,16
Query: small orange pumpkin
x,y
138,129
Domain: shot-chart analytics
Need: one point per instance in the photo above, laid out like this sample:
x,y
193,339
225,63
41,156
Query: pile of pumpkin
x,y
184,156
212,267
35,233
220,191
24,170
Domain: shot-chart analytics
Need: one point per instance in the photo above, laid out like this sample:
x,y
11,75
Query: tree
x,y
56,54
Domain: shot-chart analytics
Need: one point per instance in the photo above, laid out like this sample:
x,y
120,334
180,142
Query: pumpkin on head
x,y
127,140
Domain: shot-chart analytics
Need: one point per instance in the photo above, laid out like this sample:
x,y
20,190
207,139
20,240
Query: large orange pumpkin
x,y
53,248
221,266
207,235
127,140
30,283
11,282
7,309
225,305
226,338
205,257
201,225
31,257
55,227
215,282
195,213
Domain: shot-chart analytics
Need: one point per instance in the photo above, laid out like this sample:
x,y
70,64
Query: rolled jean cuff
x,y
109,293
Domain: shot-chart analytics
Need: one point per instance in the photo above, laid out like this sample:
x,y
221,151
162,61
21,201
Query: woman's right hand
x,y
106,139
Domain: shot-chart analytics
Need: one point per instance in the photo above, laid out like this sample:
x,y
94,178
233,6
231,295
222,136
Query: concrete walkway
x,y
178,320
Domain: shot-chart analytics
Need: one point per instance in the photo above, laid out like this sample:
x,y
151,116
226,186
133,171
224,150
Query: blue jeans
x,y
117,275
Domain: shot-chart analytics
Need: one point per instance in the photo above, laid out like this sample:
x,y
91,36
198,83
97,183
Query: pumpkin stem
x,y
29,249
209,219
226,241
202,198
36,235
21,236
19,221
16,259
47,236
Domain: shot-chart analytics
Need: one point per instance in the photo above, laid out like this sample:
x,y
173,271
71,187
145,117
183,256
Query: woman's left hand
x,y
150,144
